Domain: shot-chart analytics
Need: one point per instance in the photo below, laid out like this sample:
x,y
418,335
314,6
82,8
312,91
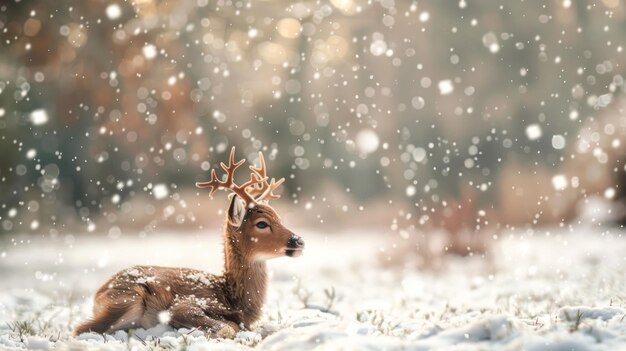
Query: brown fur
x,y
135,297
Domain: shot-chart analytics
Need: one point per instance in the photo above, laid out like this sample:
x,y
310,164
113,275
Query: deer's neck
x,y
246,282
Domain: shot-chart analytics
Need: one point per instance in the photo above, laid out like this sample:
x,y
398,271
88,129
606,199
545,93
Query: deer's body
x,y
144,296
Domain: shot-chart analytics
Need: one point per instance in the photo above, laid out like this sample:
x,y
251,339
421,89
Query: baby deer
x,y
144,296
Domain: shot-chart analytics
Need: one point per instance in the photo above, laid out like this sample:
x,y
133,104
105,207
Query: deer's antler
x,y
263,190
229,183
254,190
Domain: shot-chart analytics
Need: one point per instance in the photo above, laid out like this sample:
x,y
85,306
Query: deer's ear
x,y
236,211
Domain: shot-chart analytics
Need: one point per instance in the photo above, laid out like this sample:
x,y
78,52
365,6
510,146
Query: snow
x,y
533,131
367,141
559,182
418,102
378,47
410,190
524,294
558,141
445,87
604,313
149,51
160,191
490,41
113,11
37,343
164,317
31,153
253,33
419,154
39,117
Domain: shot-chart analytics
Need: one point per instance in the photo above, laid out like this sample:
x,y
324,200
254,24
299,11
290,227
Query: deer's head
x,y
253,226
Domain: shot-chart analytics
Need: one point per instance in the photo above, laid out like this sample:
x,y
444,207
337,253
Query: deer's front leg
x,y
189,315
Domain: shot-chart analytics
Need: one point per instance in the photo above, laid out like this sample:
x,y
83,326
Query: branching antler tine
x,y
269,192
261,174
276,185
248,191
252,182
230,169
214,183
231,158
258,186
261,171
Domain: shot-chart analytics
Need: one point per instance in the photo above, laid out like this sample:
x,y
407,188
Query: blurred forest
x,y
400,114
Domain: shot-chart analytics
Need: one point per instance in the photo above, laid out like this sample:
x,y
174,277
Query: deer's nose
x,y
295,242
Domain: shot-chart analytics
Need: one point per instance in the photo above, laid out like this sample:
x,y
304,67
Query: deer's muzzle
x,y
295,245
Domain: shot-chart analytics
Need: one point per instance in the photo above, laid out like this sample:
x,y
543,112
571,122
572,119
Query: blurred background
x,y
460,117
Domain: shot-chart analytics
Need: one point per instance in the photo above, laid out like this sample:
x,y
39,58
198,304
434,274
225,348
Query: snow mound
x,y
571,313
489,329
559,346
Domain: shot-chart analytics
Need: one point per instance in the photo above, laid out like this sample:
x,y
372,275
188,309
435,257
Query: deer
x,y
220,305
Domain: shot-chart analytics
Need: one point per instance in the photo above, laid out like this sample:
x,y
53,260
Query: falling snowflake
x,y
160,191
367,141
39,117
445,87
113,11
533,131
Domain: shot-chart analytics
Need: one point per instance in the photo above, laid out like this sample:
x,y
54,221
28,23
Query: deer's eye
x,y
262,225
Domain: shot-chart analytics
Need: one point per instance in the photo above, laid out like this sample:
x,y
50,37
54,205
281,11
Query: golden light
x,y
333,49
145,7
337,47
273,53
289,28
349,7
77,36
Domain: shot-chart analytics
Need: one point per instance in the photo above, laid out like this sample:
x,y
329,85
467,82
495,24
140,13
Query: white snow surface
x,y
542,290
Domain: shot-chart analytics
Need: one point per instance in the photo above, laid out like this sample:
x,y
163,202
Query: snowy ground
x,y
562,291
